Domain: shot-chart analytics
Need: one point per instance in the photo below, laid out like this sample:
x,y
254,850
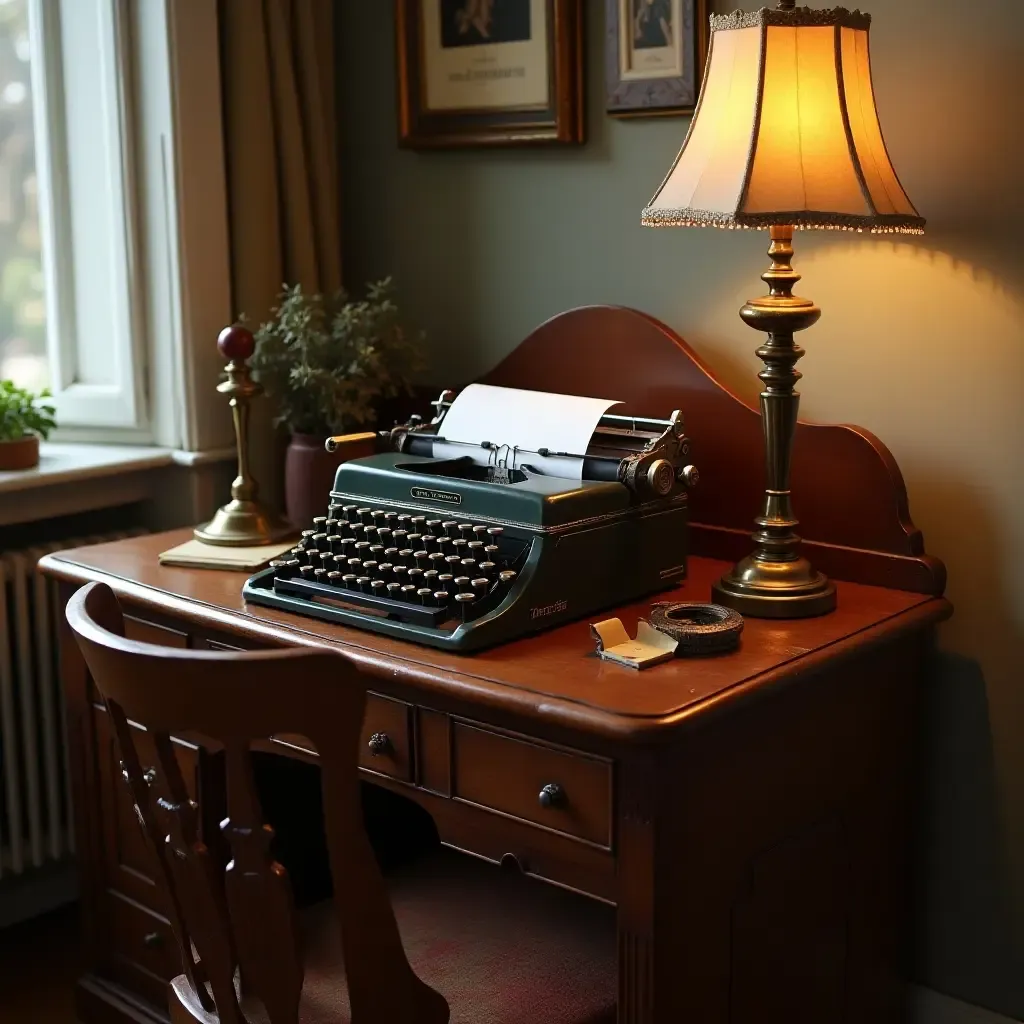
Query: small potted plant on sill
x,y
327,363
24,419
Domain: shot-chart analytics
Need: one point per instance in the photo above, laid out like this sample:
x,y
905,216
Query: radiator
x,y
36,832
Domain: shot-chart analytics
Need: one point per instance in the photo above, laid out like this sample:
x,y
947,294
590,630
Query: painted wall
x,y
921,342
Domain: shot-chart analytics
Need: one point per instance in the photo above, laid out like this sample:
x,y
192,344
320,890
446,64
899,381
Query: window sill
x,y
73,478
69,463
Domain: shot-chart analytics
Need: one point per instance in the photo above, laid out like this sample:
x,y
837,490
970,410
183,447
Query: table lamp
x,y
785,135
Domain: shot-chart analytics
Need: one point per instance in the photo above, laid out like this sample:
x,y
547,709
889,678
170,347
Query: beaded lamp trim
x,y
801,17
877,224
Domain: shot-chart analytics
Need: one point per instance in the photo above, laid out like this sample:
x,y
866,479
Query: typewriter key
x,y
334,578
364,515
466,530
345,545
444,582
479,531
495,531
430,578
319,522
422,558
370,534
403,519
355,564
378,515
424,594
400,537
370,567
319,575
481,586
491,551
464,600
384,534
450,526
405,556
444,543
375,551
436,559
340,563
418,522
331,526
356,531
408,592
415,541
452,561
460,544
507,576
476,547
363,583
306,572
348,513
307,535
393,589
390,517
349,580
288,569
360,546
299,554
320,540
385,569
400,572
391,554
429,541
415,575
461,582
469,564
377,587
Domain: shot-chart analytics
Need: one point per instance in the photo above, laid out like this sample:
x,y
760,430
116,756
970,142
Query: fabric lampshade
x,y
786,131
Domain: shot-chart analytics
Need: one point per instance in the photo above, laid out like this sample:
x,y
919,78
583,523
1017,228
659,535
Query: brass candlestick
x,y
775,581
243,521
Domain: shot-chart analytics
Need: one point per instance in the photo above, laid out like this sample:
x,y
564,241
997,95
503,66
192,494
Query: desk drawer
x,y
141,952
509,775
385,744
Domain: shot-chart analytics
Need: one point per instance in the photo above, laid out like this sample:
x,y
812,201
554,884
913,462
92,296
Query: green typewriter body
x,y
437,552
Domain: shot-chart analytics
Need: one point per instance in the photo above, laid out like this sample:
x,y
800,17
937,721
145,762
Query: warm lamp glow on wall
x,y
785,135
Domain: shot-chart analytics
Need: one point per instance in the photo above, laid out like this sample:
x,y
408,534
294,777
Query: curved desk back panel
x,y
848,491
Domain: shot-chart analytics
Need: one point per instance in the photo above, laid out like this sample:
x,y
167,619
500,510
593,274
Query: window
x,y
112,275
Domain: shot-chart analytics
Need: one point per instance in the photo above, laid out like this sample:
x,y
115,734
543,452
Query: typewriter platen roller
x,y
463,553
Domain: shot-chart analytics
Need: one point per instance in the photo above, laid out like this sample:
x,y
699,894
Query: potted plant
x,y
327,363
24,418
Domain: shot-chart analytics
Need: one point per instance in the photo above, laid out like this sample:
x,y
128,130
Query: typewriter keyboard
x,y
404,566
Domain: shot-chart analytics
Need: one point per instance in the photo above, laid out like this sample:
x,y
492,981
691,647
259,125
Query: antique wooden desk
x,y
748,814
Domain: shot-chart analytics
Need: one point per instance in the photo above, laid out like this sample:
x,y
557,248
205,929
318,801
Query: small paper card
x,y
194,554
649,648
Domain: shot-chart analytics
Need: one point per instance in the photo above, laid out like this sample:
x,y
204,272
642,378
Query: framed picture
x,y
489,72
654,55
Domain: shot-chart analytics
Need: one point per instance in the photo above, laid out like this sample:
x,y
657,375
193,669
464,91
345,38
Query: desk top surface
x,y
555,675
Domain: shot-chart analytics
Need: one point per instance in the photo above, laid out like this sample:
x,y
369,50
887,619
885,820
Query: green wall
x,y
921,342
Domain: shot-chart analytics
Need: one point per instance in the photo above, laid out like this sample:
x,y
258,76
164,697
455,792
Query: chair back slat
x,y
238,930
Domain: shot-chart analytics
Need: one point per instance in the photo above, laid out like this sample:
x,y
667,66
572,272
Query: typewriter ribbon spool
x,y
698,628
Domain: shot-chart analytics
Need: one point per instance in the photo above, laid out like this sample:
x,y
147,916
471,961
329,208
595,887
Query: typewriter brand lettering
x,y
549,609
451,497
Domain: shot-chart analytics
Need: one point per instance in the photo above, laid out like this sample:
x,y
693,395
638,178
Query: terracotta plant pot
x,y
309,475
20,454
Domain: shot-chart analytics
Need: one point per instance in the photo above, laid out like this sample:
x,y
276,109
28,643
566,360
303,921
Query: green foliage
x,y
22,412
327,361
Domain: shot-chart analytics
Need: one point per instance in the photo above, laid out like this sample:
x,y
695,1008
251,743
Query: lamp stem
x,y
775,581
787,5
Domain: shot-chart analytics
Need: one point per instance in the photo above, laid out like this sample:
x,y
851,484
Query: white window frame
x,y
133,216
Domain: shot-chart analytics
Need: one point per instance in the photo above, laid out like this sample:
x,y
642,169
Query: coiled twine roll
x,y
698,628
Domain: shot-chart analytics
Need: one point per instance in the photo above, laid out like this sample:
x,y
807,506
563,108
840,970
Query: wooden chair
x,y
504,949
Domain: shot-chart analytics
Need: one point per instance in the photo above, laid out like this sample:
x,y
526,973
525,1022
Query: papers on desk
x,y
519,423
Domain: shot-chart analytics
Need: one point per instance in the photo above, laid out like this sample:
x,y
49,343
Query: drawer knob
x,y
379,744
149,776
552,795
153,940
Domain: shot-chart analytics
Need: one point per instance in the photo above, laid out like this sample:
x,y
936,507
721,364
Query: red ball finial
x,y
236,342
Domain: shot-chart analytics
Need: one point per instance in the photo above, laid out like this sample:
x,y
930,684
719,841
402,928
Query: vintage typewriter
x,y
462,553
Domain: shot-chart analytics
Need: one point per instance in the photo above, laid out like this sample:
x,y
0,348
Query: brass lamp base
x,y
775,581
768,589
242,524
